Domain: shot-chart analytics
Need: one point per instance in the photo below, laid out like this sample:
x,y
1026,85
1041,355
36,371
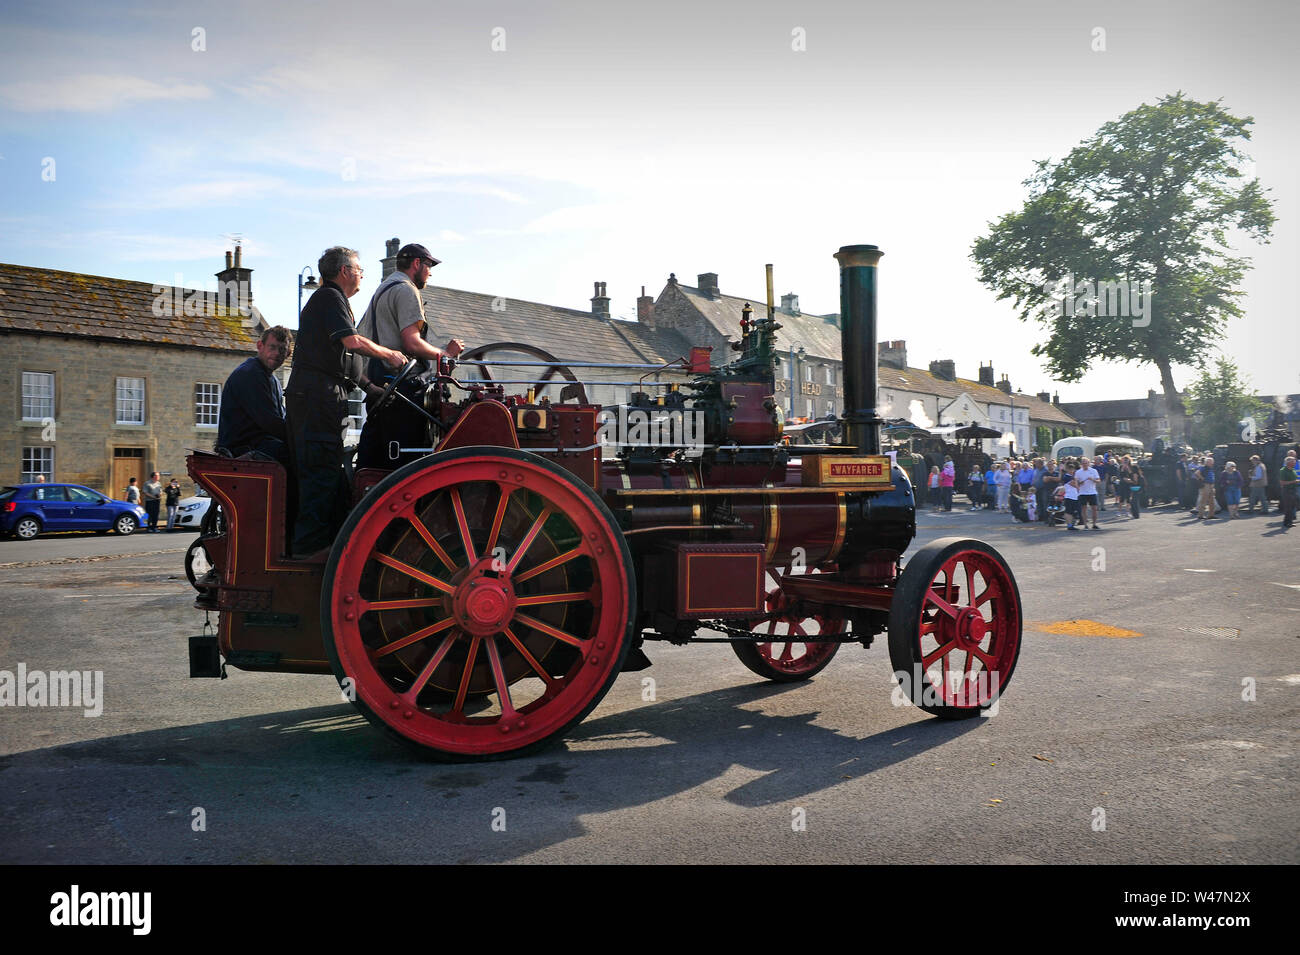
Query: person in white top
x,y
1071,495
1003,480
1085,479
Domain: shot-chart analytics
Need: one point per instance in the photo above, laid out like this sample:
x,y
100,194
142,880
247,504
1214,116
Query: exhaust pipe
x,y
858,345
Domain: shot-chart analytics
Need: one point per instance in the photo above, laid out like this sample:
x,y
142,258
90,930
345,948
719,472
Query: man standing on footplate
x,y
316,399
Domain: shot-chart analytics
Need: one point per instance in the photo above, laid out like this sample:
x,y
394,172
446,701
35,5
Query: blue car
x,y
29,510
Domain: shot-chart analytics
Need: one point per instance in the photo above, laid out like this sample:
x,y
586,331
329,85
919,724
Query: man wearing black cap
x,y
395,319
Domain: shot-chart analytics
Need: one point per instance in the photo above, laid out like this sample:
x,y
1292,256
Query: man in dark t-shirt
x,y
316,399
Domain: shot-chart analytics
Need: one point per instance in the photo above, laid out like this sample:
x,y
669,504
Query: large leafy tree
x,y
1151,197
1224,407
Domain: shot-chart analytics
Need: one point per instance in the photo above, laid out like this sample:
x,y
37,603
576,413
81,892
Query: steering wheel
x,y
402,375
555,371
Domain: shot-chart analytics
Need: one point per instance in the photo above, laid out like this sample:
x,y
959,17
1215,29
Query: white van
x,y
1091,446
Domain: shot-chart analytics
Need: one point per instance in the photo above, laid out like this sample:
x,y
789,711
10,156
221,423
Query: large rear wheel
x,y
478,603
955,627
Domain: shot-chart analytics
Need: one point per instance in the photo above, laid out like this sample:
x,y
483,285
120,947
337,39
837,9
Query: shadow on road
x,y
326,767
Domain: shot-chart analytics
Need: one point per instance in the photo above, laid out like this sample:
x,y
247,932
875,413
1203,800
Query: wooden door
x,y
127,463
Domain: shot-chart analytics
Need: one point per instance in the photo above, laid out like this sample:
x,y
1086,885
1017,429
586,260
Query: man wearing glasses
x,y
395,319
317,399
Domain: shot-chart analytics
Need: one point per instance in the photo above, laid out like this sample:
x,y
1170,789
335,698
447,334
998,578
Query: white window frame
x,y
830,407
807,372
37,454
812,409
830,375
356,414
128,401
1121,426
38,395
207,405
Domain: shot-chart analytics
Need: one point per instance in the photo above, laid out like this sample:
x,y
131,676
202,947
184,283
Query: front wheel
x,y
955,627
125,525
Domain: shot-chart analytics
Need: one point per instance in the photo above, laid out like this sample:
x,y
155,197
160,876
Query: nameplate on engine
x,y
838,470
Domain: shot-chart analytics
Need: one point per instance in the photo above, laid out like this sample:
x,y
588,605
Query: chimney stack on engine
x,y
858,345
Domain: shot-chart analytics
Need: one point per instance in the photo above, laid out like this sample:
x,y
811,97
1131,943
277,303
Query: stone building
x,y
110,379
809,375
936,398
1142,418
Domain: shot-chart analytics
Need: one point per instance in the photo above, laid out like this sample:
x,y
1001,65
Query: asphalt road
x,y
1104,749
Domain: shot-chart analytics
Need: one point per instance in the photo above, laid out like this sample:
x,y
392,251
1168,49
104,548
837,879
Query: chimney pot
x,y
388,264
645,309
600,302
229,259
944,368
708,284
238,253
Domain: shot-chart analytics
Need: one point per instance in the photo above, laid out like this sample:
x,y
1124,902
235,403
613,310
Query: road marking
x,y
1083,628
169,593
1197,570
1292,586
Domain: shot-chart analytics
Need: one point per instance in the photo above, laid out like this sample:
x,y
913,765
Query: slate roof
x,y
566,333
815,333
923,382
1122,409
49,301
820,337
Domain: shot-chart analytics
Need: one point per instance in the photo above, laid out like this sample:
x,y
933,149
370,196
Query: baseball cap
x,y
416,251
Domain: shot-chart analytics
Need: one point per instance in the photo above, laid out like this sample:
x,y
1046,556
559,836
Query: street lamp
x,y
311,283
802,355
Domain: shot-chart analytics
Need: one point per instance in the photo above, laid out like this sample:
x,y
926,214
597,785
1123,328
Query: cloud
x,y
93,92
133,246
571,219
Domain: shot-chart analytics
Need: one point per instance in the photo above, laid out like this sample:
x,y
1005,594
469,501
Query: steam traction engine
x,y
481,600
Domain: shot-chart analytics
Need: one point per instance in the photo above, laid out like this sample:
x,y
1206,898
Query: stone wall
x,y
85,431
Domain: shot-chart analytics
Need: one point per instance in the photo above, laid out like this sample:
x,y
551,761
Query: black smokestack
x,y
858,345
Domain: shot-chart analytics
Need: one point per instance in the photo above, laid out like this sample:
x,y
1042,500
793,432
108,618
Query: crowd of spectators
x,y
1074,490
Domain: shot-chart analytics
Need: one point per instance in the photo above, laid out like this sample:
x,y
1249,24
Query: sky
x,y
539,147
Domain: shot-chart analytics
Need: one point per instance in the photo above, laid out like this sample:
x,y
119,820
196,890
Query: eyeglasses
x,y
358,269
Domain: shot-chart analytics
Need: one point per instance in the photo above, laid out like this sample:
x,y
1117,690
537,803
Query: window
x,y
38,395
79,495
356,412
1121,427
207,402
785,368
830,375
807,372
830,407
1162,424
811,412
37,461
130,401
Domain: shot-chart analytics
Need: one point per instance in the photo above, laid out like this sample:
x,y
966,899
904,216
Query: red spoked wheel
x,y
788,661
955,627
478,603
